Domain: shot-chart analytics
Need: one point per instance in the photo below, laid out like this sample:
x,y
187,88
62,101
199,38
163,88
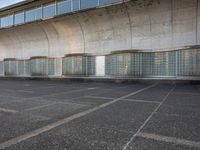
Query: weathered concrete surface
x,y
137,24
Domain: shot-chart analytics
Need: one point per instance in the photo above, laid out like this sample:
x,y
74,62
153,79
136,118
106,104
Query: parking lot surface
x,y
61,115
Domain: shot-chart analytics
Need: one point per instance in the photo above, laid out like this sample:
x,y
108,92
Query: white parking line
x,y
147,120
8,110
64,121
169,139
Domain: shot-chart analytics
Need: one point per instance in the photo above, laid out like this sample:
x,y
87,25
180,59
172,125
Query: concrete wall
x,y
137,24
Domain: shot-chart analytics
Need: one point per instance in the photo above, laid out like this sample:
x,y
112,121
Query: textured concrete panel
x,y
140,24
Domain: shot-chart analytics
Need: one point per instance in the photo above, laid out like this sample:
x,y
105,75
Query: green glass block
x,y
38,66
79,65
51,66
1,68
27,67
10,67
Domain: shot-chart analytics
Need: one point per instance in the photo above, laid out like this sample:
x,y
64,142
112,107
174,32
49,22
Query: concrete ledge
x,y
107,79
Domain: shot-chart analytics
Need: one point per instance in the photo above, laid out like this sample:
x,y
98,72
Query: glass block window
x,y
88,4
64,7
19,18
51,66
38,67
76,5
7,21
49,10
33,14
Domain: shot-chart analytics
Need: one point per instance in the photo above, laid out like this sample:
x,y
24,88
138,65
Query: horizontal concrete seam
x,y
40,116
10,90
140,101
71,102
46,87
54,98
187,93
63,121
42,95
167,139
24,99
147,120
14,97
100,97
25,91
33,98
178,115
60,93
3,103
111,128
127,86
8,110
38,107
92,88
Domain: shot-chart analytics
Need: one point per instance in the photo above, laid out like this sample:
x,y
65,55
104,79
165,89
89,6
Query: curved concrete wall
x,y
137,24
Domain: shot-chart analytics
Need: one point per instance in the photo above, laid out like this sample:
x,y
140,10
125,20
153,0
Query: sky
x,y
4,3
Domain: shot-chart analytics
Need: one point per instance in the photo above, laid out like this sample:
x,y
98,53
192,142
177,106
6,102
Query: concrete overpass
x,y
159,33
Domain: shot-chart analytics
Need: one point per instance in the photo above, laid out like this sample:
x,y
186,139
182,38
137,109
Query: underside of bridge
x,y
136,38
